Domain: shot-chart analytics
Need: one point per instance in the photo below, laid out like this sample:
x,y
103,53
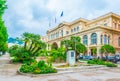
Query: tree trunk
x,y
25,45
31,46
36,50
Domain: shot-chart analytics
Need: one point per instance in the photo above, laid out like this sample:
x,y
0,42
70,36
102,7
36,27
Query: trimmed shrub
x,y
37,68
110,64
101,62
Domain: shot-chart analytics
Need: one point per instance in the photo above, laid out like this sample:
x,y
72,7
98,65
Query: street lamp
x,y
66,44
75,43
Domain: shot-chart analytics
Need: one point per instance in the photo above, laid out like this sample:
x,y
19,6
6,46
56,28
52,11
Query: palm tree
x,y
26,37
39,46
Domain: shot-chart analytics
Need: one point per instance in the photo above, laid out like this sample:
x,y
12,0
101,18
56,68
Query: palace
x,y
93,33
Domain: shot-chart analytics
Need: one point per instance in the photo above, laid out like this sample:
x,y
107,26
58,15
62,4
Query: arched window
x,y
94,38
105,39
119,41
101,39
78,28
108,39
85,40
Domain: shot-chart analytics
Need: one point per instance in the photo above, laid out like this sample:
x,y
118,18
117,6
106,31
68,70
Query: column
x,y
98,38
88,51
89,39
98,52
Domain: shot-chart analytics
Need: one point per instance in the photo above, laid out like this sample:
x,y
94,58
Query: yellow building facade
x,y
93,33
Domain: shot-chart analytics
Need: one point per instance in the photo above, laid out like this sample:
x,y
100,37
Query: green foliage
x,y
20,54
26,68
3,6
107,49
80,48
3,30
3,37
75,44
101,62
110,64
94,50
37,68
33,42
57,55
96,61
30,50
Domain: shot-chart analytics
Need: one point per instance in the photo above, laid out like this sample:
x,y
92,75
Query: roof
x,y
110,14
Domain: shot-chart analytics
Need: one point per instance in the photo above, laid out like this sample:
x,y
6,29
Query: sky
x,y
38,16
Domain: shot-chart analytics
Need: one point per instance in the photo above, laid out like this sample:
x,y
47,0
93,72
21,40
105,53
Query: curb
x,y
65,71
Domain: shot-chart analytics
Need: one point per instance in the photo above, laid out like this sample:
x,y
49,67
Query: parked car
x,y
86,57
110,58
117,56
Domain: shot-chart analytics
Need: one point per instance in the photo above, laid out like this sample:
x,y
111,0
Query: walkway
x,y
8,73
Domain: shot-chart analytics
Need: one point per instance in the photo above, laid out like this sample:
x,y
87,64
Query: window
x,y
105,39
94,38
74,29
62,33
67,32
108,39
101,39
119,41
85,40
105,24
48,37
78,28
71,30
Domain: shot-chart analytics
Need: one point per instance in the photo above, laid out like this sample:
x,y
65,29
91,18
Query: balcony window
x,y
78,28
67,32
74,29
105,39
94,38
105,24
71,30
62,33
85,40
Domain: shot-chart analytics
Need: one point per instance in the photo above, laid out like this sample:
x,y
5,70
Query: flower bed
x,y
101,62
37,68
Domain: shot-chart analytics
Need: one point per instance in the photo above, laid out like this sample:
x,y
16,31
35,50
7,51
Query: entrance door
x,y
91,52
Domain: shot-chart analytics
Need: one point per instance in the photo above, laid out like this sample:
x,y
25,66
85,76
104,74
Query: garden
x,y
33,47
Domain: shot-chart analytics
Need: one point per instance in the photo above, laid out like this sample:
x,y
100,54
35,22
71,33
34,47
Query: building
x,y
94,33
43,38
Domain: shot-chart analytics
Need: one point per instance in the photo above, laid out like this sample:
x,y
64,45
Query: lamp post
x,y
75,43
66,45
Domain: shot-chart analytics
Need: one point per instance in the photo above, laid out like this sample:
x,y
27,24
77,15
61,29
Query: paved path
x,y
4,59
8,73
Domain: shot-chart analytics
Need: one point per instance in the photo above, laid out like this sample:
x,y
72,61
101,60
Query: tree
x,y
106,49
31,48
3,30
26,38
3,6
75,44
80,48
74,40
94,51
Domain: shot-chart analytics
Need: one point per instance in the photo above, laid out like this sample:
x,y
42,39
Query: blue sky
x,y
34,15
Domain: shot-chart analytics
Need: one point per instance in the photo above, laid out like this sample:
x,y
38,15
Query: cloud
x,y
34,15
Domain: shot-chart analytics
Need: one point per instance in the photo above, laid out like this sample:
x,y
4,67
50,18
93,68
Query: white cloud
x,y
35,15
